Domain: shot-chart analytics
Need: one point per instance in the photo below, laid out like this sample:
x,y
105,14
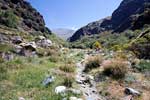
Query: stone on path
x,y
60,89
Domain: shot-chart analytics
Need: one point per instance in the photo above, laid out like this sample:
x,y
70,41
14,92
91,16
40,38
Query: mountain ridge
x,y
122,19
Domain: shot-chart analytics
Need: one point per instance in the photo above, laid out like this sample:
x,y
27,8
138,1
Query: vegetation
x,y
68,68
9,19
116,69
93,62
68,81
143,66
97,45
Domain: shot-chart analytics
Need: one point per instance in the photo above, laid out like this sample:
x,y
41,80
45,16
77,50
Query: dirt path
x,y
87,84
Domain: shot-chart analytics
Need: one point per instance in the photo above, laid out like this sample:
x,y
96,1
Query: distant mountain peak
x,y
63,33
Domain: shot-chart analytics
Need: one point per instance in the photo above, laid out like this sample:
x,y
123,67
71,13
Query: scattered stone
x,y
6,56
48,80
129,97
79,81
60,89
17,40
75,98
41,37
21,98
90,77
17,49
131,91
64,99
9,56
75,91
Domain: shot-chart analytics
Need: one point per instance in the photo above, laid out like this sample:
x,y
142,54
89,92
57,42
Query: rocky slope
x,y
21,15
126,16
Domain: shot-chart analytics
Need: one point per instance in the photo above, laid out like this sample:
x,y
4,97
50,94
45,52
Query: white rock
x,y
41,37
60,89
79,99
75,91
91,77
21,98
73,98
131,91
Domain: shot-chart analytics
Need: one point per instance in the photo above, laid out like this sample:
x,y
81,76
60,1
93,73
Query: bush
x,y
69,68
9,19
143,66
93,62
116,69
97,45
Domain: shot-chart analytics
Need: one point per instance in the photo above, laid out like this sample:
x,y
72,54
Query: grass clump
x,y
69,68
93,62
68,81
3,72
116,69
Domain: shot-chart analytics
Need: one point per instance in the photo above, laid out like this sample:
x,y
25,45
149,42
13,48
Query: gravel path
x,y
87,84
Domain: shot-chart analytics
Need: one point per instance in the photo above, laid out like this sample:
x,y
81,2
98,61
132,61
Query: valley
x,y
105,60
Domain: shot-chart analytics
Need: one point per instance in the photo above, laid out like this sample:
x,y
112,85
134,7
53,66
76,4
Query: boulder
x,y
48,80
29,45
131,91
44,43
28,49
17,40
17,49
60,89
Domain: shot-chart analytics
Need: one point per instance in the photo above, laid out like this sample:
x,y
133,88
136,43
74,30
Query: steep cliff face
x,y
23,14
124,17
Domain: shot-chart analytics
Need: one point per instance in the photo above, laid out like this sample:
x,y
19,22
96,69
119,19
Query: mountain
x,y
126,16
63,32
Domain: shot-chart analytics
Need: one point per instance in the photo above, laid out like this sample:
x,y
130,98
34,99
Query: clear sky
x,y
73,13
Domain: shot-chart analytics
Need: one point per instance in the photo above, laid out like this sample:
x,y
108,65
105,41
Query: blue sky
x,y
73,14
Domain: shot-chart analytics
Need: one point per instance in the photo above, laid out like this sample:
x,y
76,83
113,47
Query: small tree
x,y
97,45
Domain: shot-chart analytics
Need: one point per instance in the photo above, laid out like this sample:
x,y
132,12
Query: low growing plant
x,y
93,62
117,69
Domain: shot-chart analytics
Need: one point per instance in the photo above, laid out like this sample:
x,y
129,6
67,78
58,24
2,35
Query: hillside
x,y
123,18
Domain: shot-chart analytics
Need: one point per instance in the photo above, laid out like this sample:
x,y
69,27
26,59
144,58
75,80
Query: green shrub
x,y
116,69
9,19
93,62
143,66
